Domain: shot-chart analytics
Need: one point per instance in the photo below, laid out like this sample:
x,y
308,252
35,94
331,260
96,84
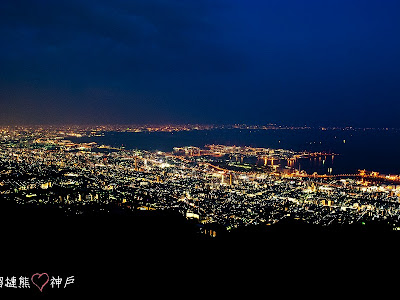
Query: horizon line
x,y
216,125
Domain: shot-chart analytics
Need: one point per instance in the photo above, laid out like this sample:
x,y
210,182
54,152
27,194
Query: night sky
x,y
292,62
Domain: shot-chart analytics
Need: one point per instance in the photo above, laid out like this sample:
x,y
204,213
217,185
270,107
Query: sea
x,y
370,149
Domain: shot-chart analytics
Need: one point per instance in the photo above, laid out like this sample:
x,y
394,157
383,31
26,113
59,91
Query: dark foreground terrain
x,y
113,251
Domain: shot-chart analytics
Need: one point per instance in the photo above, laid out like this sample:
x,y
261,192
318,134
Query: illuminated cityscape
x,y
218,188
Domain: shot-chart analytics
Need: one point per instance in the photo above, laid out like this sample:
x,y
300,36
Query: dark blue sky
x,y
214,61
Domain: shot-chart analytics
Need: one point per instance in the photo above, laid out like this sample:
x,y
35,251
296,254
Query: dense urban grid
x,y
216,187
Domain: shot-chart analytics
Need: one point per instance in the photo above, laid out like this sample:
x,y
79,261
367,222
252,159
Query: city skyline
x,y
219,188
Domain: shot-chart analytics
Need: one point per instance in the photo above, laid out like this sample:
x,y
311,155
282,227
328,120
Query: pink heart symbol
x,y
38,277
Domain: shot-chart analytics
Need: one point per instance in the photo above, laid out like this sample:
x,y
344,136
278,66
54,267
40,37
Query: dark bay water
x,y
373,150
